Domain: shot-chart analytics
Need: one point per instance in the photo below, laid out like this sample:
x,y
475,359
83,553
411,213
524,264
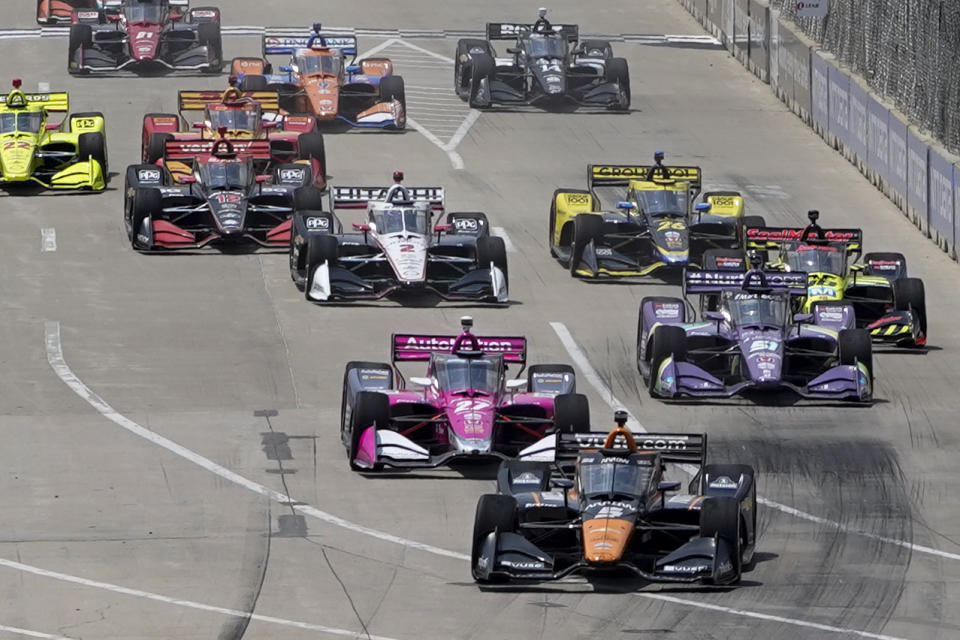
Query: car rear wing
x,y
620,175
716,281
681,448
359,197
52,102
513,30
773,237
278,41
407,347
190,149
198,100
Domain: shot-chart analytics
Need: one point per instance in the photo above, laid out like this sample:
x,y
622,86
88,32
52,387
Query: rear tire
x,y
157,147
721,517
909,294
308,198
571,413
310,146
494,513
370,407
854,346
666,340
586,227
253,83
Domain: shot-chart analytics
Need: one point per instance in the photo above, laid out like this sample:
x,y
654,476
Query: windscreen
x,y
400,219
145,13
613,479
545,46
475,374
225,175
663,202
815,258
756,309
328,65
234,119
20,121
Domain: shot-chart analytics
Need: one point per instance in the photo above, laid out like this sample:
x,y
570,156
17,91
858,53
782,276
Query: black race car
x,y
547,66
146,35
216,200
602,506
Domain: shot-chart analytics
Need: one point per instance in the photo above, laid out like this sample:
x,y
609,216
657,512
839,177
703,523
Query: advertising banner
x,y
897,130
820,93
759,50
859,127
741,31
839,104
940,173
878,146
917,180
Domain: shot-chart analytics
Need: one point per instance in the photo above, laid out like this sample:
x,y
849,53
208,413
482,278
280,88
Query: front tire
x,y
720,517
666,341
494,513
370,407
854,346
586,228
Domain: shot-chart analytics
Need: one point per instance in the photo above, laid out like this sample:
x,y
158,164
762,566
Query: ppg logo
x,y
466,224
318,223
291,175
149,175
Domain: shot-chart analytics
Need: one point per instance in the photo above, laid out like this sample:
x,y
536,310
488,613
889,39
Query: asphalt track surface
x,y
113,360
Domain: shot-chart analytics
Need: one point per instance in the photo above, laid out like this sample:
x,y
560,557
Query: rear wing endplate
x,y
198,100
690,448
406,347
620,175
513,30
716,281
773,237
52,102
358,197
278,42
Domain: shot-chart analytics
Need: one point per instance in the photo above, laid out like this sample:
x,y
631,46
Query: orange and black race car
x,y
600,503
56,11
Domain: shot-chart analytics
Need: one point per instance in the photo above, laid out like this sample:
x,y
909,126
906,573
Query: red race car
x,y
56,11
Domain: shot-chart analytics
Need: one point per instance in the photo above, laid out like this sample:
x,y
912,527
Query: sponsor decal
x,y
201,13
144,35
671,224
609,511
723,261
683,568
434,343
797,234
723,201
290,175
764,345
527,477
604,251
315,222
723,482
884,265
148,175
578,198
673,239
466,224
88,15
513,564
227,197
819,290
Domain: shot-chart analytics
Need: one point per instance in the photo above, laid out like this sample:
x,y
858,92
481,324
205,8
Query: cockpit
x,y
663,202
545,45
400,219
743,308
613,478
20,121
234,119
457,373
815,258
225,175
329,65
143,12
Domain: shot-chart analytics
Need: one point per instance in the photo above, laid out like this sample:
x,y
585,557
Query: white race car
x,y
398,249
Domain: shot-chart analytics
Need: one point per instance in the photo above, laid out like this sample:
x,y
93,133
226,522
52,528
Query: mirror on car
x,y
562,483
713,315
703,207
802,317
421,382
516,384
669,486
623,204
354,68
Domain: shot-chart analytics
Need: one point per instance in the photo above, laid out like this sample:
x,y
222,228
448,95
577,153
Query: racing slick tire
x,y
750,222
723,260
854,345
640,327
732,471
909,294
470,223
355,364
884,256
157,146
369,407
595,49
616,71
81,37
93,146
392,88
493,249
253,83
494,513
721,517
466,48
145,203
586,227
667,340
552,225
310,146
571,413
320,249
482,68
208,34
308,198
293,174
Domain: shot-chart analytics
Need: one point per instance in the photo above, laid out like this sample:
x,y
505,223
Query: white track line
x,y
500,232
55,358
615,404
48,240
32,634
433,54
179,602
765,616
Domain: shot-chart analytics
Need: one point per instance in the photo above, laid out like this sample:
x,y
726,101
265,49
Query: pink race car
x,y
465,407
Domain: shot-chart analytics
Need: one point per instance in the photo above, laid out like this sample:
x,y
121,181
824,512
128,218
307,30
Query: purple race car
x,y
750,338
464,408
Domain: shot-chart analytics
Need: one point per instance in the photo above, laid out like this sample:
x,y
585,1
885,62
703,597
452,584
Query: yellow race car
x,y
34,150
659,226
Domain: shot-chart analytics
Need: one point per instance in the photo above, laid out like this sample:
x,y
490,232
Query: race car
x,y
886,302
465,408
548,66
602,505
61,11
752,341
244,117
145,36
324,79
659,227
398,250
223,201
71,154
